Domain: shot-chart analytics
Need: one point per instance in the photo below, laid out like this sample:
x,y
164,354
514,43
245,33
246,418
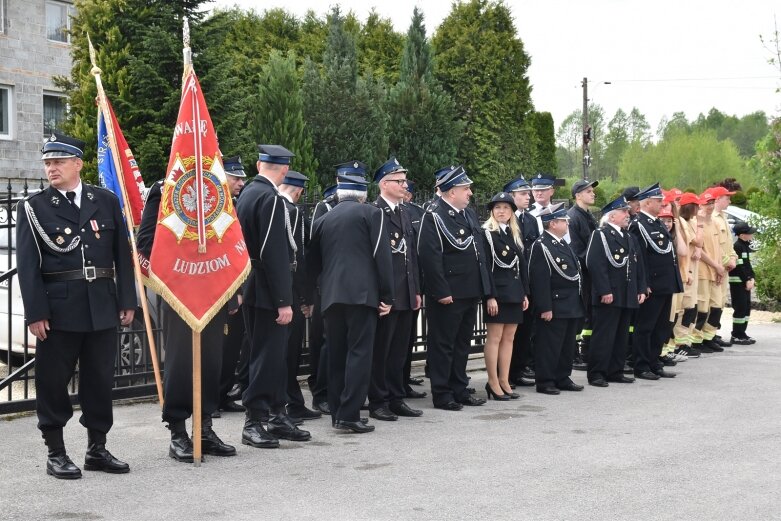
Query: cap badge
x,y
355,165
52,138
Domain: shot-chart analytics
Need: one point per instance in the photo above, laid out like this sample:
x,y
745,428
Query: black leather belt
x,y
88,273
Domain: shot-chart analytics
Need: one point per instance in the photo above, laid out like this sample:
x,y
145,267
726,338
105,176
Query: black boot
x,y
98,458
283,427
211,443
181,448
254,434
59,464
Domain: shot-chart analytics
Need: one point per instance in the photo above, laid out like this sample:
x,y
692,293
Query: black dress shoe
x,y
548,389
647,375
628,369
599,382
449,406
321,407
281,426
665,374
60,466
255,435
412,393
216,414
181,447
235,392
231,406
471,390
303,413
415,381
472,401
572,386
358,427
98,458
402,409
621,379
383,414
523,381
528,373
212,444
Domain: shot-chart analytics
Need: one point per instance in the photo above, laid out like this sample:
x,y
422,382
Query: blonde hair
x,y
492,225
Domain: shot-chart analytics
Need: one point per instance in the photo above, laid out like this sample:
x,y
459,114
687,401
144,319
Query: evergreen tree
x,y
379,48
424,129
546,142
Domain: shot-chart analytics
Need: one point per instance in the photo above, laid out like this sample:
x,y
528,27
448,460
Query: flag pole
x,y
197,398
128,222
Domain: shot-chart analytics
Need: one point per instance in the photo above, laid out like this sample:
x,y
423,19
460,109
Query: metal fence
x,y
133,374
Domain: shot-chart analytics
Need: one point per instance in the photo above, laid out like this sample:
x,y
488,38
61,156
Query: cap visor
x,y
57,154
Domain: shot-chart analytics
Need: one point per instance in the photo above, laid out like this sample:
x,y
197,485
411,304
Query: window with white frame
x,y
58,21
6,111
55,109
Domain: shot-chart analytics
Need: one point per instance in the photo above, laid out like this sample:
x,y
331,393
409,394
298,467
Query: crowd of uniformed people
x,y
631,294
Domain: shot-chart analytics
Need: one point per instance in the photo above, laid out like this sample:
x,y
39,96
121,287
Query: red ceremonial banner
x,y
199,258
131,175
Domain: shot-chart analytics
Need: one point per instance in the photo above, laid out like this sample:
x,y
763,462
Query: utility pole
x,y
586,131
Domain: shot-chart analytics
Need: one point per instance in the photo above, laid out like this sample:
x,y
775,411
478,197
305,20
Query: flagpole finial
x,y
95,70
188,56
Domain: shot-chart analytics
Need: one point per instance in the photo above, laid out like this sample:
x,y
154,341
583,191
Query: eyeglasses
x,y
401,182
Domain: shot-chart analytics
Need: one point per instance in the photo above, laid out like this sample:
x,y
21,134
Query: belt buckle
x,y
90,273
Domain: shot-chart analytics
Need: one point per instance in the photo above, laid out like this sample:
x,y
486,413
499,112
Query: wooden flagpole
x,y
197,398
103,106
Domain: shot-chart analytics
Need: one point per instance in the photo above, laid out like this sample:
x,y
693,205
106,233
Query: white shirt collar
x,y
503,227
450,205
617,228
648,214
391,204
554,237
77,200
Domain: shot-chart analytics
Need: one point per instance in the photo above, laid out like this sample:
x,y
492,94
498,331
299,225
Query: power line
x,y
724,78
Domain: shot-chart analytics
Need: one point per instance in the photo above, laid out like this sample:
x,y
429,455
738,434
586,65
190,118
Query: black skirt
x,y
508,314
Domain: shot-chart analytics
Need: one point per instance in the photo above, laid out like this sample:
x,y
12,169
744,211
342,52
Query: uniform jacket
x,y
74,305
323,207
145,236
351,254
581,225
415,212
615,267
508,285
661,269
299,230
551,290
400,235
529,231
262,214
452,255
743,271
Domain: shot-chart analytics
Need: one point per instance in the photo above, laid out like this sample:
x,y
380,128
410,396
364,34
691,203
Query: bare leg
x,y
491,353
505,356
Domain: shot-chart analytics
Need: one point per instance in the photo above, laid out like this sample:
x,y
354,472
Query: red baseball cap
x,y
718,191
688,198
665,213
707,197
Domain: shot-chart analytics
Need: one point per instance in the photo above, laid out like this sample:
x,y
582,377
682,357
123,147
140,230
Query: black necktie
x,y
72,198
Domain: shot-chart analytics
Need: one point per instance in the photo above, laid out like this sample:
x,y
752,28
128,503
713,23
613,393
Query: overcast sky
x,y
662,56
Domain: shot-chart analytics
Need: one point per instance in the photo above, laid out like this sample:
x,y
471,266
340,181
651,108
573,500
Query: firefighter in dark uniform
x,y
652,327
522,363
177,341
581,225
235,339
291,189
268,301
554,277
543,188
318,350
617,288
350,253
391,342
77,287
451,253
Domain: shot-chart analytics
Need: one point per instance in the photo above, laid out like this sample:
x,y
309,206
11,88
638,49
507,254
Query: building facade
x,y
34,48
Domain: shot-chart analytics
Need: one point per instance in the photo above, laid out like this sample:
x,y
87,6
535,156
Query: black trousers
x,y
585,326
55,363
232,345
267,387
652,329
450,330
523,348
350,330
555,346
178,375
318,355
295,344
413,336
391,344
741,305
608,342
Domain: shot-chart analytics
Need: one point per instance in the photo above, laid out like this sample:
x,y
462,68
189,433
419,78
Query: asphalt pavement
x,y
705,445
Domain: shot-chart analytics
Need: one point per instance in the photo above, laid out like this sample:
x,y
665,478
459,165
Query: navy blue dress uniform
x,y
652,326
77,274
177,342
554,277
351,255
264,221
522,362
451,253
415,212
582,224
541,181
391,342
616,269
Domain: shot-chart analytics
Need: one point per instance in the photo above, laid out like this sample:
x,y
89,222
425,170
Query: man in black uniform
x,y
581,225
291,189
617,288
522,362
543,188
391,342
76,279
268,300
235,339
450,250
554,277
350,253
178,374
652,328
